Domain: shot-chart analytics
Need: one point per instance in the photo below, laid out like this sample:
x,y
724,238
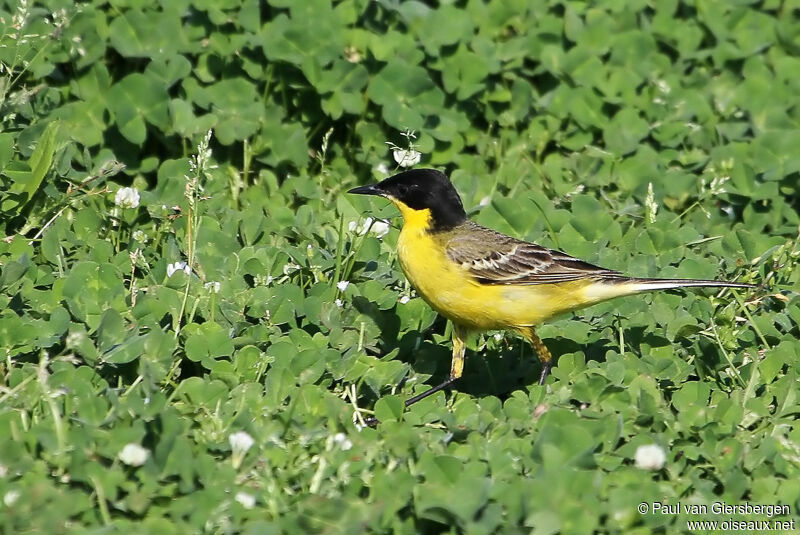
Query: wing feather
x,y
494,258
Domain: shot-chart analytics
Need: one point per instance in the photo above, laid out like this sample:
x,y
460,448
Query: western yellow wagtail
x,y
480,279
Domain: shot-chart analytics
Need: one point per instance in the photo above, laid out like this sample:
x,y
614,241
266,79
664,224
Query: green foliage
x,y
237,289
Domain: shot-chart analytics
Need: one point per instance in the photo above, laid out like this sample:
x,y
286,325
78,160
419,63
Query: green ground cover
x,y
195,354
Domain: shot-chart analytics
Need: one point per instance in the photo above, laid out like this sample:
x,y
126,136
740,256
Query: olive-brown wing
x,y
494,258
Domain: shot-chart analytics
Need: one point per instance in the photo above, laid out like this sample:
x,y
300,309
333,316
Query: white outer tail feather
x,y
621,286
644,285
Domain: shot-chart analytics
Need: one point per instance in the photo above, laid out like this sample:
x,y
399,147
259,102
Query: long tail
x,y
616,285
644,285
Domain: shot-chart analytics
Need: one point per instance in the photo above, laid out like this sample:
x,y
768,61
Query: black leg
x,y
456,369
545,371
410,401
372,421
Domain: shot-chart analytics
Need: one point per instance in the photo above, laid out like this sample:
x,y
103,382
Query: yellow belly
x,y
451,291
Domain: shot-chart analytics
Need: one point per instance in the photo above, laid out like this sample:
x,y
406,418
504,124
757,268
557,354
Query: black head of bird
x,y
419,190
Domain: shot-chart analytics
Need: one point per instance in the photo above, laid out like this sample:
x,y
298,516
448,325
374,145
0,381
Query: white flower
x,y
127,198
240,442
403,300
75,339
11,497
650,457
177,266
212,287
342,441
378,228
338,302
133,454
342,285
290,267
382,169
717,185
247,500
339,439
199,164
140,236
375,227
406,157
663,86
650,204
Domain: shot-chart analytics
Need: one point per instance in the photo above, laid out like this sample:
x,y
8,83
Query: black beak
x,y
370,189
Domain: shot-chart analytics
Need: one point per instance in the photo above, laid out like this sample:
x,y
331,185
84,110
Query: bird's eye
x,y
402,189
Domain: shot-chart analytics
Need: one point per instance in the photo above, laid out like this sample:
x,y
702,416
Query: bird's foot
x,y
371,421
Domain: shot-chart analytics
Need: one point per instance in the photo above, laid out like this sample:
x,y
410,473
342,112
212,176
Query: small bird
x,y
482,280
